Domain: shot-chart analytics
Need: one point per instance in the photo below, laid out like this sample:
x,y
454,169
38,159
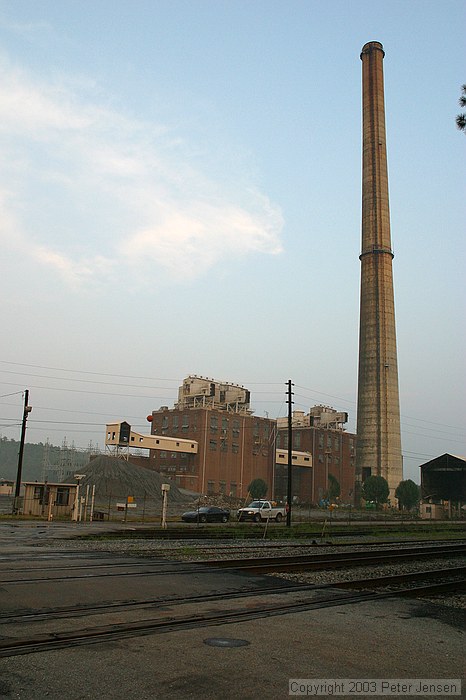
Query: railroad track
x,y
167,615
456,573
256,565
264,565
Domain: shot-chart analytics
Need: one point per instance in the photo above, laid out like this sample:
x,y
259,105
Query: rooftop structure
x,y
318,417
202,392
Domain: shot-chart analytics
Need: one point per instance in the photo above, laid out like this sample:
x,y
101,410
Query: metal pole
x,y
290,433
91,516
86,502
27,409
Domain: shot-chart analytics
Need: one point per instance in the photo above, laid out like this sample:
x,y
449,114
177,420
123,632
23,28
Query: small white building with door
x,y
49,500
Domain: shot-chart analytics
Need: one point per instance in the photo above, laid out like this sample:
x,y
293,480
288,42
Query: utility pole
x,y
290,445
26,411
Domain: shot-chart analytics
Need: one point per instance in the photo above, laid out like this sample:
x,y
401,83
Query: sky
x,y
180,193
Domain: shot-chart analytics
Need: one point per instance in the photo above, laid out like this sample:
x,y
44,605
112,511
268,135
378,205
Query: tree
x,y
461,118
333,488
407,493
375,488
257,488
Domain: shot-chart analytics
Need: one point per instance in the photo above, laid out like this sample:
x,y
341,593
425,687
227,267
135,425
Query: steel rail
x,y
264,565
333,560
374,582
63,640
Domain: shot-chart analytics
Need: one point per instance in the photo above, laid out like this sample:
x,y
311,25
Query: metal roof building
x,y
444,478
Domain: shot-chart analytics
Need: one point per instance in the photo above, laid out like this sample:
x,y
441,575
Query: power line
x,y
71,410
165,398
98,393
79,371
15,393
86,381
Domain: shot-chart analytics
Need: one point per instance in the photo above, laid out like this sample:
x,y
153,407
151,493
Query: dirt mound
x,y
113,476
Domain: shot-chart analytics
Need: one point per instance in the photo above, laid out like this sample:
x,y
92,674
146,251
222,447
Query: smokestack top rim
x,y
372,46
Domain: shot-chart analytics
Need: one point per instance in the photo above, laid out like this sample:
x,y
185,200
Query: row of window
x,y
167,469
216,424
333,441
62,496
222,488
173,455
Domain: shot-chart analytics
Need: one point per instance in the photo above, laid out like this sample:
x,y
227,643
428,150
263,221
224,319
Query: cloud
x,y
87,190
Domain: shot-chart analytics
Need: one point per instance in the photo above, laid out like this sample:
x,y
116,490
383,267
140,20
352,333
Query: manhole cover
x,y
225,642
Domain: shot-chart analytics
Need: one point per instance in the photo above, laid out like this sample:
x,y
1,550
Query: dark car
x,y
207,514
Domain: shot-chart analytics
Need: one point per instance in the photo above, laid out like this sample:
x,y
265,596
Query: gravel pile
x,y
117,477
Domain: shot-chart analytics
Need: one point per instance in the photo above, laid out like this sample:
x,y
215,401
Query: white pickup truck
x,y
261,510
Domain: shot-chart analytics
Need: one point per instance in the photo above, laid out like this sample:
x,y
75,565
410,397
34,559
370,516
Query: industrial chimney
x,y
378,450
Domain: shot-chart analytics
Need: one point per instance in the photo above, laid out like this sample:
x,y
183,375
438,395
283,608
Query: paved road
x,y
382,639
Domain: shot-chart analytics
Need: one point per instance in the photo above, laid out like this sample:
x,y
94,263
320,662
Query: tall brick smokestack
x,y
378,451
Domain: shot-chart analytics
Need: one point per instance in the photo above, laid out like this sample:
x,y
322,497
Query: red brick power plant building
x,y
233,446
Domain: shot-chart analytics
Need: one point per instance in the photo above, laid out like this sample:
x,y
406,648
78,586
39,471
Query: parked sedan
x,y
207,514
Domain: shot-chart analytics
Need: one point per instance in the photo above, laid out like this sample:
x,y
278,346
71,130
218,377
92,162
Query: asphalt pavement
x,y
254,659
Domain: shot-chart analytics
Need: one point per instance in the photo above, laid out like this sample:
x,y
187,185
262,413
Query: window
x,y
321,458
366,472
223,445
255,431
163,455
210,488
266,430
185,424
336,443
212,445
175,422
41,494
222,486
173,455
297,439
329,442
63,496
165,422
321,440
213,424
224,423
235,447
278,441
233,488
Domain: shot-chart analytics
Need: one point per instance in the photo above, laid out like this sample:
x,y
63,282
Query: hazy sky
x,y
180,193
